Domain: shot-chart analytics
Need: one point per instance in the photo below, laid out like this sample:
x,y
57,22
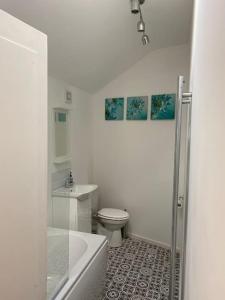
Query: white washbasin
x,y
78,191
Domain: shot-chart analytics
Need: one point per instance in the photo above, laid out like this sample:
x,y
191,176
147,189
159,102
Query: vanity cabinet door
x,y
84,215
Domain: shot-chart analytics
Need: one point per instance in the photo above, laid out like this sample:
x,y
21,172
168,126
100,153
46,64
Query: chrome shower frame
x,y
182,99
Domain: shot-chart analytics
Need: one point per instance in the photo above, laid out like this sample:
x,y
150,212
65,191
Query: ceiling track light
x,y
135,9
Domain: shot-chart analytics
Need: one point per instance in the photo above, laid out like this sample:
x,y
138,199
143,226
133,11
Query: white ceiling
x,y
93,41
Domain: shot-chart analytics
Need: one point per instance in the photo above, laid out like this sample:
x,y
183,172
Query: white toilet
x,y
110,222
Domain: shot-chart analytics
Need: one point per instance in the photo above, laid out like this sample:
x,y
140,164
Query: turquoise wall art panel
x,y
163,107
137,108
114,109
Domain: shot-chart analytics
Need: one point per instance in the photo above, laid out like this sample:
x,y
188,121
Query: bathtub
x,y
87,266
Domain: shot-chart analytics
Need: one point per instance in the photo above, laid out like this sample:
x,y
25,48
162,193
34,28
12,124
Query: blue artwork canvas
x,y
114,109
163,107
137,108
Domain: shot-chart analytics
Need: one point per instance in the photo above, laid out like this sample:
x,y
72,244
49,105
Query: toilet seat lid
x,y
113,213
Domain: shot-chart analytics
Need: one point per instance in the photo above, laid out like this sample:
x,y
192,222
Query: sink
x,y
78,191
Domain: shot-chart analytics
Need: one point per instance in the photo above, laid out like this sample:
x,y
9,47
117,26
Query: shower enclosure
x,y
183,110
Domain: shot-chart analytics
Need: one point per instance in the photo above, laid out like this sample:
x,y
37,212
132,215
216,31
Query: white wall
x,y
23,160
80,130
206,243
133,160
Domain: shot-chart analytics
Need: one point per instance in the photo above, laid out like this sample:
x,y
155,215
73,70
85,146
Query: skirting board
x,y
157,243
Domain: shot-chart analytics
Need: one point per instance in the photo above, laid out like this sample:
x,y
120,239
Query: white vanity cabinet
x,y
72,208
80,214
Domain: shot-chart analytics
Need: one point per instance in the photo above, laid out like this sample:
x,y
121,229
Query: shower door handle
x,y
181,99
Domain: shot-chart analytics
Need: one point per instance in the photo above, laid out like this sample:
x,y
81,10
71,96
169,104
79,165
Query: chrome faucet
x,y
69,181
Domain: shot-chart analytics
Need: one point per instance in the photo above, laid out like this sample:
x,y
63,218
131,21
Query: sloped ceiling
x,y
93,41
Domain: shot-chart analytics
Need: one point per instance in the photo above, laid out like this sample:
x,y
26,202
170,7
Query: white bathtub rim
x,y
94,244
76,282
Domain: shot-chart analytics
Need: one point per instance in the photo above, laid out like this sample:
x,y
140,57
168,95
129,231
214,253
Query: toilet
x,y
110,222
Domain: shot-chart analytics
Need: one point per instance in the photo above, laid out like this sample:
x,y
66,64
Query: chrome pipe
x,y
176,186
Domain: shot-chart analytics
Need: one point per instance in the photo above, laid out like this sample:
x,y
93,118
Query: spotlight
x,y
141,23
141,26
145,39
134,6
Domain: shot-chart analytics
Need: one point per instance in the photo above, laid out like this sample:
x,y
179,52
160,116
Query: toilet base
x,y
114,237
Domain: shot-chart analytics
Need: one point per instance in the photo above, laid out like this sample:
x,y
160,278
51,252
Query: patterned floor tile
x,y
138,270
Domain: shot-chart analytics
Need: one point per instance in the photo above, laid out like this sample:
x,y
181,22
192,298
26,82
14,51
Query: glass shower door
x,y
58,247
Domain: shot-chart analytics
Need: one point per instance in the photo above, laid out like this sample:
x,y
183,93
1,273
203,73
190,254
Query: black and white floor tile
x,y
138,270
